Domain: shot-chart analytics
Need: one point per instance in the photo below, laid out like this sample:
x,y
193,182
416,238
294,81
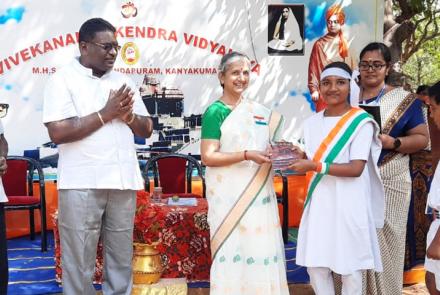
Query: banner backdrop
x,y
171,49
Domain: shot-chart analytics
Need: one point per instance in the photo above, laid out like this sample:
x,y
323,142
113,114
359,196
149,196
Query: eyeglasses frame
x,y
374,67
104,45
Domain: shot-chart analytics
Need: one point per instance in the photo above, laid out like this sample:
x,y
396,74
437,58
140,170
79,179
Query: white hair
x,y
230,58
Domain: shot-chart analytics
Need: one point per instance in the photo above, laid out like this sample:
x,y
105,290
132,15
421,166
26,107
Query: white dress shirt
x,y
105,159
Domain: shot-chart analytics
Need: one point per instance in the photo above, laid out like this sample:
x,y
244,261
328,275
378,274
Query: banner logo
x,y
130,53
128,10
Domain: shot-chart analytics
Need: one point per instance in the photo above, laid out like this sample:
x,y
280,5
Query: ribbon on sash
x,y
248,195
333,144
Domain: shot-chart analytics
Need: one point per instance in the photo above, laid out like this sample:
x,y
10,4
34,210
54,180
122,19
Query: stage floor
x,y
33,272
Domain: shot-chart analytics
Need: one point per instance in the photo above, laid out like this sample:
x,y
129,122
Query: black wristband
x,y
397,143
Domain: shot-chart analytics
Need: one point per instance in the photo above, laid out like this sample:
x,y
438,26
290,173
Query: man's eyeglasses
x,y
375,66
3,109
107,46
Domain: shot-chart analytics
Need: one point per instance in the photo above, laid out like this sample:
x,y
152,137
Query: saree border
x,y
391,122
398,112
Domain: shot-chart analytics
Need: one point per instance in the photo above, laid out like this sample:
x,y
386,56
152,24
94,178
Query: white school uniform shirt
x,y
105,159
338,228
431,265
3,198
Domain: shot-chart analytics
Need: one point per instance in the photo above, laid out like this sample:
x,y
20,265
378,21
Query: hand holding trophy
x,y
283,155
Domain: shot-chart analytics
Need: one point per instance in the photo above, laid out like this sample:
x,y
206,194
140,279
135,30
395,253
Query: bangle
x,y
318,167
322,168
245,156
100,118
132,119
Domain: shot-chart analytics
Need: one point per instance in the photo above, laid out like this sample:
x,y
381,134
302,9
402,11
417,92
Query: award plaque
x,y
282,155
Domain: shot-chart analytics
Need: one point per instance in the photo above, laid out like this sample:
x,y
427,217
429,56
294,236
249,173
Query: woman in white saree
x,y
246,242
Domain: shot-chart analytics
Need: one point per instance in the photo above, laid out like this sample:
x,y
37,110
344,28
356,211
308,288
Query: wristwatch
x,y
397,143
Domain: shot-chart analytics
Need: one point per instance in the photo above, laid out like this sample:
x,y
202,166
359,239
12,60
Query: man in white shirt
x,y
93,113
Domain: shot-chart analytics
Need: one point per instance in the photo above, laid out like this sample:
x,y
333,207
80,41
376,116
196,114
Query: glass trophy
x,y
282,155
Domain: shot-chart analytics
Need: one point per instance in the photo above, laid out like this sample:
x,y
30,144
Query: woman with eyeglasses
x,y
403,132
3,199
330,48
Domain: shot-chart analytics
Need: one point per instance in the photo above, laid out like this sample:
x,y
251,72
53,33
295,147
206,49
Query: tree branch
x,y
389,21
426,28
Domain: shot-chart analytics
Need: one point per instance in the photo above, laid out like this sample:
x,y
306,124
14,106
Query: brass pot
x,y
147,264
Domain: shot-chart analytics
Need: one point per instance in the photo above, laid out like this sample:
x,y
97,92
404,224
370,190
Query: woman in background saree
x,y
287,35
246,242
421,169
403,132
330,48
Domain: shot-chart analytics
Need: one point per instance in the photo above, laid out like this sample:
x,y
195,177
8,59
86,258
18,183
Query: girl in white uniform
x,y
345,200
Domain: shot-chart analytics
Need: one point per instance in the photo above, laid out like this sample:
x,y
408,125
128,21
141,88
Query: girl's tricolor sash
x,y
335,142
247,197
